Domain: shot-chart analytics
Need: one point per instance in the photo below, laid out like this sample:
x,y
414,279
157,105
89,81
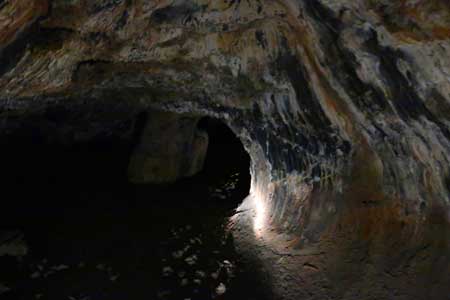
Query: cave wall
x,y
343,106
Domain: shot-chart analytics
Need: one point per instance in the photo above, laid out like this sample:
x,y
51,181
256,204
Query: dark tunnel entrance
x,y
72,225
225,158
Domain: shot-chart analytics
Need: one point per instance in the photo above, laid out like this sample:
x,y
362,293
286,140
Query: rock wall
x,y
343,106
170,147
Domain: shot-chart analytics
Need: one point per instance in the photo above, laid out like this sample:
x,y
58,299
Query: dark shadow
x,y
73,205
226,156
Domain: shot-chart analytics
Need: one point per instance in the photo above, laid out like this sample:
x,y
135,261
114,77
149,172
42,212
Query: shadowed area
x,y
76,228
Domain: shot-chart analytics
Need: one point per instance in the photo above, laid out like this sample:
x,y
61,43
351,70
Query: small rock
x,y
100,267
114,277
197,281
38,296
184,282
191,260
215,275
177,254
59,268
181,274
200,274
35,275
167,270
221,289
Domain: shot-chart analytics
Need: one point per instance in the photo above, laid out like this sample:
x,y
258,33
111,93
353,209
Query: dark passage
x,y
72,227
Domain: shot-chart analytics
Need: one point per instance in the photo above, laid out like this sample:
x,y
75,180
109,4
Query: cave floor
x,y
118,241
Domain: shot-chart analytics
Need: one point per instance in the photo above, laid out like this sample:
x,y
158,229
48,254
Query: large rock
x,y
343,106
170,147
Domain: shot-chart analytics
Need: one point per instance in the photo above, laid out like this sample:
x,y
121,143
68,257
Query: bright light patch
x,y
259,222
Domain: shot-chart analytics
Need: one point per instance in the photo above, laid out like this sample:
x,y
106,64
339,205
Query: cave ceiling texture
x,y
343,107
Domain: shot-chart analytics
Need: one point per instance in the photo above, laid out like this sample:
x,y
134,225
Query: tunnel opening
x,y
73,226
225,158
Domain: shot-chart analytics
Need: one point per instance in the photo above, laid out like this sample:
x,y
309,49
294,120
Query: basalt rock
x,y
343,106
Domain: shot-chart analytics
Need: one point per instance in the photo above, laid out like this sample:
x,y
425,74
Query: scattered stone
x,y
167,271
178,254
215,275
114,277
221,289
100,267
197,281
181,274
200,274
59,268
81,265
184,282
35,275
191,260
38,296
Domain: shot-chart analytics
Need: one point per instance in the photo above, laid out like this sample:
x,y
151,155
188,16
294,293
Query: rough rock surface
x,y
343,106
